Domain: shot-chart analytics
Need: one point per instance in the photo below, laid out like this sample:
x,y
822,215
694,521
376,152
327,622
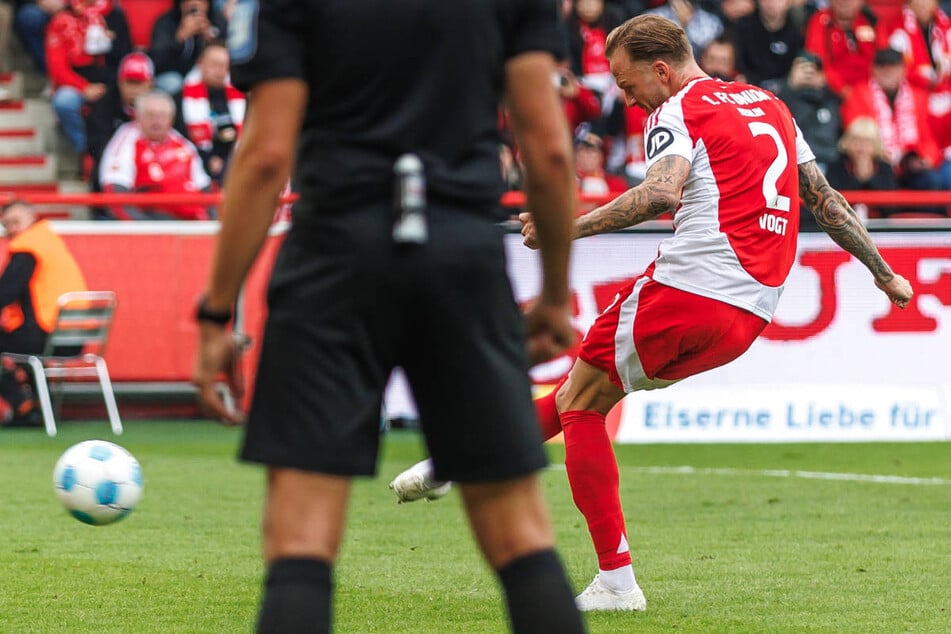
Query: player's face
x,y
214,66
923,9
889,77
589,10
155,118
16,220
640,81
845,9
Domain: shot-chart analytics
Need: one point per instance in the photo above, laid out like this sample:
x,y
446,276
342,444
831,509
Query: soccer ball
x,y
98,482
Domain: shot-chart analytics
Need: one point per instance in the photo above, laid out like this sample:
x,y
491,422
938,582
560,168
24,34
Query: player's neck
x,y
686,74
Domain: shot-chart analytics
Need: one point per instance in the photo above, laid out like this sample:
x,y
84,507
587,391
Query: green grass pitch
x,y
731,546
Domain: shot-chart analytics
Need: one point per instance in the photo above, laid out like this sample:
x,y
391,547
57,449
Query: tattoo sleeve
x,y
660,192
837,218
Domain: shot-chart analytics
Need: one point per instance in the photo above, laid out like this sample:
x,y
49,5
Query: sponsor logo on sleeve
x,y
657,141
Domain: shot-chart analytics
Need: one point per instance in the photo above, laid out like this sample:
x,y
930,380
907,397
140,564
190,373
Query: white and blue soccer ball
x,y
98,482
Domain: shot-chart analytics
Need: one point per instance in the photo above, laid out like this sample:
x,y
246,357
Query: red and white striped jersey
x,y
738,219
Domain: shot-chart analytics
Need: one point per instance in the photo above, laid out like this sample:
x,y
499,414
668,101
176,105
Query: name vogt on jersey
x,y
768,221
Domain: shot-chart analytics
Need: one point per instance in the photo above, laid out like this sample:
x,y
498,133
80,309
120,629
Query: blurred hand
x,y
898,290
683,11
530,238
568,87
218,352
192,24
50,7
805,74
549,331
94,92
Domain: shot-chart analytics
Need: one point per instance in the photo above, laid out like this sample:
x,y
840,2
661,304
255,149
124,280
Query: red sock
x,y
593,476
547,413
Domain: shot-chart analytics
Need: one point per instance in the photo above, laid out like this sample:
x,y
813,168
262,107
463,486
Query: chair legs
x,y
38,370
43,394
108,396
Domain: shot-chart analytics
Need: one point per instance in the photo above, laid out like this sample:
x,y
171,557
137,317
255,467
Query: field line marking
x,y
784,473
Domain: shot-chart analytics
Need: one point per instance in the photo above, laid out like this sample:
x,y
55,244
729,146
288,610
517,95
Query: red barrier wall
x,y
158,277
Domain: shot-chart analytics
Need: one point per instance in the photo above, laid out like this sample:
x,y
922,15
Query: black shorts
x,y
347,305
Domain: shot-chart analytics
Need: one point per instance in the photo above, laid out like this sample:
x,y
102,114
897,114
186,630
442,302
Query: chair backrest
x,y
82,324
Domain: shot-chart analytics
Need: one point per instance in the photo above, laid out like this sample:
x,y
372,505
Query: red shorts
x,y
654,335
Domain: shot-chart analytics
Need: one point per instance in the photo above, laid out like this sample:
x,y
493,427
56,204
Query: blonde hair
x,y
647,38
863,127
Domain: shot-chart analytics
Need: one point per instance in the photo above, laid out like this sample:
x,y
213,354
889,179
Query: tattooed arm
x,y
834,216
658,193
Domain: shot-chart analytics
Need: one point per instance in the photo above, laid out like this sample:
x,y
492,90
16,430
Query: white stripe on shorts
x,y
626,360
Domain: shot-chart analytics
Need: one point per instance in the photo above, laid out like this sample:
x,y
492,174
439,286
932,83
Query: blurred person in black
x,y
814,106
766,44
178,38
39,269
134,78
212,109
861,164
395,243
718,59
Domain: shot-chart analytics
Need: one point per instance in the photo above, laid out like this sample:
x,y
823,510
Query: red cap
x,y
136,67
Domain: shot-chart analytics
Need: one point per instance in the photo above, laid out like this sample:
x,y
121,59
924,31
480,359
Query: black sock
x,y
538,595
296,597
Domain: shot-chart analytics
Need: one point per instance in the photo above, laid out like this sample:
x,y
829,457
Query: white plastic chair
x,y
82,324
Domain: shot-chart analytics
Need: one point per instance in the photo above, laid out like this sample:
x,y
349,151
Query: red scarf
x,y
910,40
196,110
593,60
899,126
74,23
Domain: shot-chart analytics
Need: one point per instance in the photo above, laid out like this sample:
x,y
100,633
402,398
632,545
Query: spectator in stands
x,y
589,169
149,155
178,38
580,102
922,34
814,106
40,268
635,167
588,26
628,8
702,27
843,36
6,27
134,78
901,112
225,8
730,13
30,24
770,40
718,60
509,165
213,109
84,45
861,164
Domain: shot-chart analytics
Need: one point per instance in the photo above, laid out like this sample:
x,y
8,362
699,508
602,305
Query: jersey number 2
x,y
770,192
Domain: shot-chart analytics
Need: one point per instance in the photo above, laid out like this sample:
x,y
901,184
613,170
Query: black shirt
x,y
763,55
388,78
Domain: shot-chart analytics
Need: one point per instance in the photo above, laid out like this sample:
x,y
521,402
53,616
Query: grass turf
x,y
715,551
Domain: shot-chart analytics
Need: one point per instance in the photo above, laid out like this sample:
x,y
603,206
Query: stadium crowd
x,y
872,93
99,85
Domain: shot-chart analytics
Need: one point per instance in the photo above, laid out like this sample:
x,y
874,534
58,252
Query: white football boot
x,y
416,483
597,596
